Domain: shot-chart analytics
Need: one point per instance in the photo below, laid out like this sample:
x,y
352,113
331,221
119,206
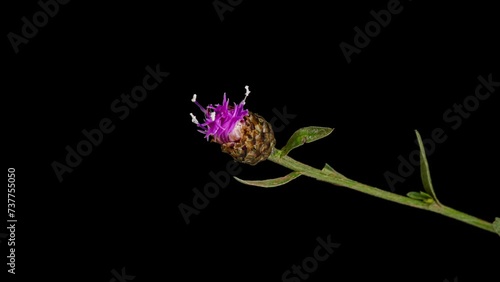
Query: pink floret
x,y
224,120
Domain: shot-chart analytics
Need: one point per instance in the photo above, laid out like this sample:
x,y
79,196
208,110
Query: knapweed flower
x,y
244,135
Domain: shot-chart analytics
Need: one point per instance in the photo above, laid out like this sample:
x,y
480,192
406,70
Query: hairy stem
x,y
335,178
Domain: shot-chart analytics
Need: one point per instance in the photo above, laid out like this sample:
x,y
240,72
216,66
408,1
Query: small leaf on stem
x,y
305,135
328,169
424,170
496,225
269,183
421,196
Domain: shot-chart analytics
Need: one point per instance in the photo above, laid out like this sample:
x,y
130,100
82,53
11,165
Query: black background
x,y
120,207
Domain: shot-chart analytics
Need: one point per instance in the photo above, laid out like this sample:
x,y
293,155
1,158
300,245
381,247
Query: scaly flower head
x,y
244,135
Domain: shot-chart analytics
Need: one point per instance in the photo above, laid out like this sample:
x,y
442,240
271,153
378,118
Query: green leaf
x,y
421,196
496,225
328,169
424,170
269,183
305,135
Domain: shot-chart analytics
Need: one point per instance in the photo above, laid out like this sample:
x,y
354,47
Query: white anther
x,y
194,119
246,94
212,115
194,98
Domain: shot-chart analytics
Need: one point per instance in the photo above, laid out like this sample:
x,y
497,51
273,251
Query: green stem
x,y
335,178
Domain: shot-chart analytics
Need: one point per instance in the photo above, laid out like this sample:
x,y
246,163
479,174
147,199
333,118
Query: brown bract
x,y
256,143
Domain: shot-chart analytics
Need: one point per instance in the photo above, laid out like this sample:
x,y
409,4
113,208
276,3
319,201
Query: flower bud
x,y
256,143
